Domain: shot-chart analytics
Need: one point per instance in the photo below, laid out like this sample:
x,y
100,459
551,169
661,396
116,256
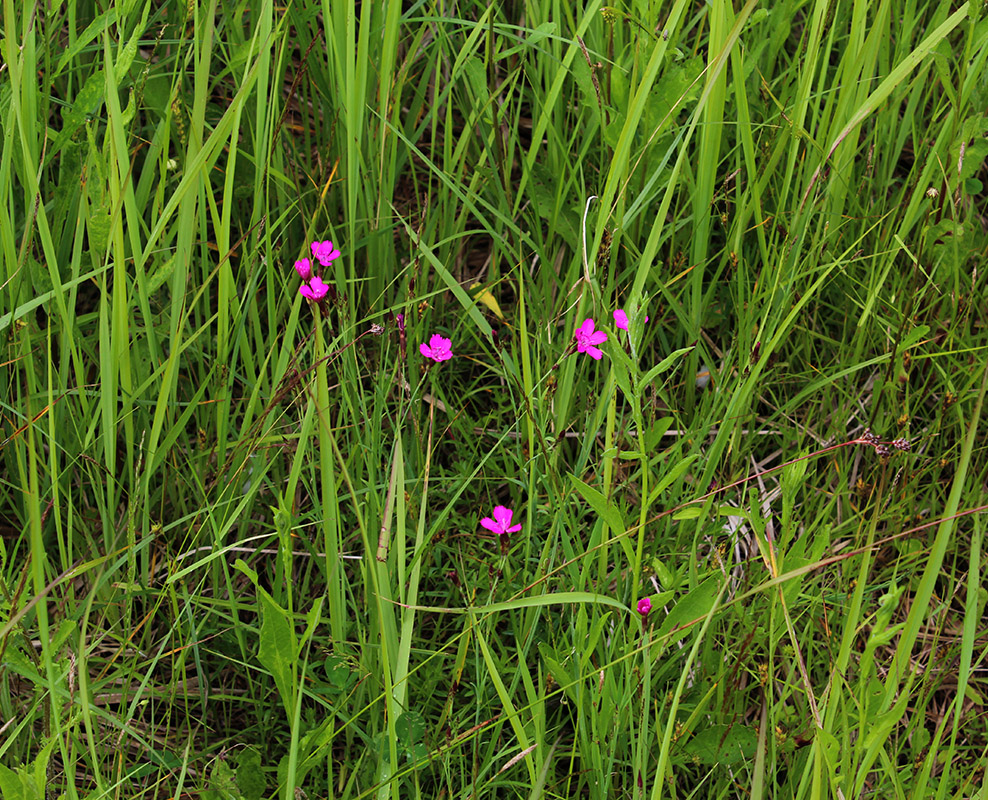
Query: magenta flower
x,y
621,319
501,524
438,348
315,289
304,268
587,340
325,252
644,606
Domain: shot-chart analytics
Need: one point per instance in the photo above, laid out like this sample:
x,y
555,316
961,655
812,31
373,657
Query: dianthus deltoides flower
x,y
501,524
438,349
304,269
621,319
587,340
324,252
315,289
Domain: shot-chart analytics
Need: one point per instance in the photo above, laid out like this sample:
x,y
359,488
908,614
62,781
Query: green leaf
x,y
671,477
593,637
161,274
555,210
94,29
624,368
250,776
410,729
695,605
339,672
554,599
278,650
18,785
40,279
558,672
663,366
914,337
242,565
693,512
87,104
476,75
722,744
222,783
129,51
605,510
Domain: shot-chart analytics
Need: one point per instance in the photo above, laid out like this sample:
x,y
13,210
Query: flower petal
x,y
315,289
490,524
621,319
425,350
503,516
325,252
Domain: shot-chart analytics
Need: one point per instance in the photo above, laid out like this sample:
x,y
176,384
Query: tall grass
x,y
240,541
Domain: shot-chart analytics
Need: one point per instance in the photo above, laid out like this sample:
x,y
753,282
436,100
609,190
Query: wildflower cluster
x,y
313,287
438,349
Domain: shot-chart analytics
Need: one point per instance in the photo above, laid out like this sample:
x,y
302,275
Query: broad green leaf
x,y
18,785
410,729
278,650
222,782
721,744
129,51
250,776
663,366
914,337
695,605
339,673
605,510
671,477
86,104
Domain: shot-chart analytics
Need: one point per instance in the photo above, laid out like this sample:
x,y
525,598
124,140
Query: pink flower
x,y
644,606
438,348
501,524
325,252
315,289
587,340
621,319
304,268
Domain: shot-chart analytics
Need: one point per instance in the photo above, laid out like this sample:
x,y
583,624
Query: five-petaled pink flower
x,y
621,319
501,524
325,252
644,606
587,340
304,268
438,348
315,289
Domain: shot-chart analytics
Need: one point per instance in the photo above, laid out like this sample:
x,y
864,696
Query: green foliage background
x,y
241,554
